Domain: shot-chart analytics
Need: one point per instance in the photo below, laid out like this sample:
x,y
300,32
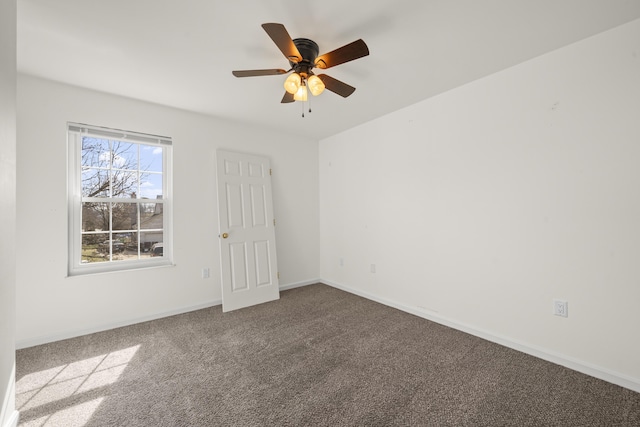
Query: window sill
x,y
93,271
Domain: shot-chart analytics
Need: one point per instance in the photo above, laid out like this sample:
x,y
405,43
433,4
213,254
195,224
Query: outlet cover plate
x,y
560,308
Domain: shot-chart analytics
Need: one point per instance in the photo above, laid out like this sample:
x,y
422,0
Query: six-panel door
x,y
247,236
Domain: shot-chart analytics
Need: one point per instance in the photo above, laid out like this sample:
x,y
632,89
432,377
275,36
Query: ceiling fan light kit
x,y
316,86
292,83
301,93
302,55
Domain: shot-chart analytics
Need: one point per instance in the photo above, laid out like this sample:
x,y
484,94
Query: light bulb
x,y
292,83
301,94
316,86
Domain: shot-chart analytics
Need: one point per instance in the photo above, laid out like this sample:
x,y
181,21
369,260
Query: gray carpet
x,y
316,357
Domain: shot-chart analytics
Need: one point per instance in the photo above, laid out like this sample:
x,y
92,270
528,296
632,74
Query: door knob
x,y
225,235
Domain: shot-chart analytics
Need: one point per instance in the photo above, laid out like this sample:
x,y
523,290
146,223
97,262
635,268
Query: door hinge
x,y
278,275
270,171
274,222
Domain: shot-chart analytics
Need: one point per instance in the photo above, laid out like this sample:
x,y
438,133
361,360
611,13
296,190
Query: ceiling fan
x,y
303,57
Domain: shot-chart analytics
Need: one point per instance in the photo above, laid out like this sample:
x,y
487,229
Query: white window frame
x,y
75,133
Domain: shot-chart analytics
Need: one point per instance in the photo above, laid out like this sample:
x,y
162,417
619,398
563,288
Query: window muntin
x,y
119,199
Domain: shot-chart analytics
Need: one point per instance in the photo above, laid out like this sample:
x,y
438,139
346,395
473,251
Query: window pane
x,y
95,182
151,185
151,216
131,243
124,155
151,158
118,246
151,243
92,250
124,216
95,216
124,183
95,153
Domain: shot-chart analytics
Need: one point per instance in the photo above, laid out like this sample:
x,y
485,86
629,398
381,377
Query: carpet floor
x,y
317,357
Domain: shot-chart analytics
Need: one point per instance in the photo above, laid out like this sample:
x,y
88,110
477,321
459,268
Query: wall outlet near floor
x,y
560,308
341,262
205,273
373,268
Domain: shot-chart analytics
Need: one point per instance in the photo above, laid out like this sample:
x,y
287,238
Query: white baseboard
x,y
79,332
9,416
299,284
12,421
541,353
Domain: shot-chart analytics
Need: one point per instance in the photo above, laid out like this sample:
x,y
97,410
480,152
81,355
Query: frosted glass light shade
x,y
292,83
316,86
301,94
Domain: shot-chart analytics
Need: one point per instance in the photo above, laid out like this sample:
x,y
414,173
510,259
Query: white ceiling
x,y
181,53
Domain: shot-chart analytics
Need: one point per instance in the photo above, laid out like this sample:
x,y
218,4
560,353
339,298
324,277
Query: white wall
x,y
52,306
8,415
481,205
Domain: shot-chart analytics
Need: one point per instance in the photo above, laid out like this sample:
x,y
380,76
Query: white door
x,y
247,237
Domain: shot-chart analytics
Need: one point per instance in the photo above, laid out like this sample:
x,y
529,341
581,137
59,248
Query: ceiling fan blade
x,y
346,53
253,73
336,86
283,40
288,97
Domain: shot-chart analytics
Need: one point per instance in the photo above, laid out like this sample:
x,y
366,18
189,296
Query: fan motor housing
x,y
309,51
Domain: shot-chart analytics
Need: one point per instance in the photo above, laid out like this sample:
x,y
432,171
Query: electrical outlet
x,y
205,273
341,262
373,268
560,308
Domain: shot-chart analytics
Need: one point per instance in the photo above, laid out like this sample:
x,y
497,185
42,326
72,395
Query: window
x,y
119,199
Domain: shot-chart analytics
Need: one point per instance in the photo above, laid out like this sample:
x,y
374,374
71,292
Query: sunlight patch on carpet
x,y
54,385
74,416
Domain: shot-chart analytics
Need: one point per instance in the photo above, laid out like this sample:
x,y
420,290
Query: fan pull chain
x,y
303,105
